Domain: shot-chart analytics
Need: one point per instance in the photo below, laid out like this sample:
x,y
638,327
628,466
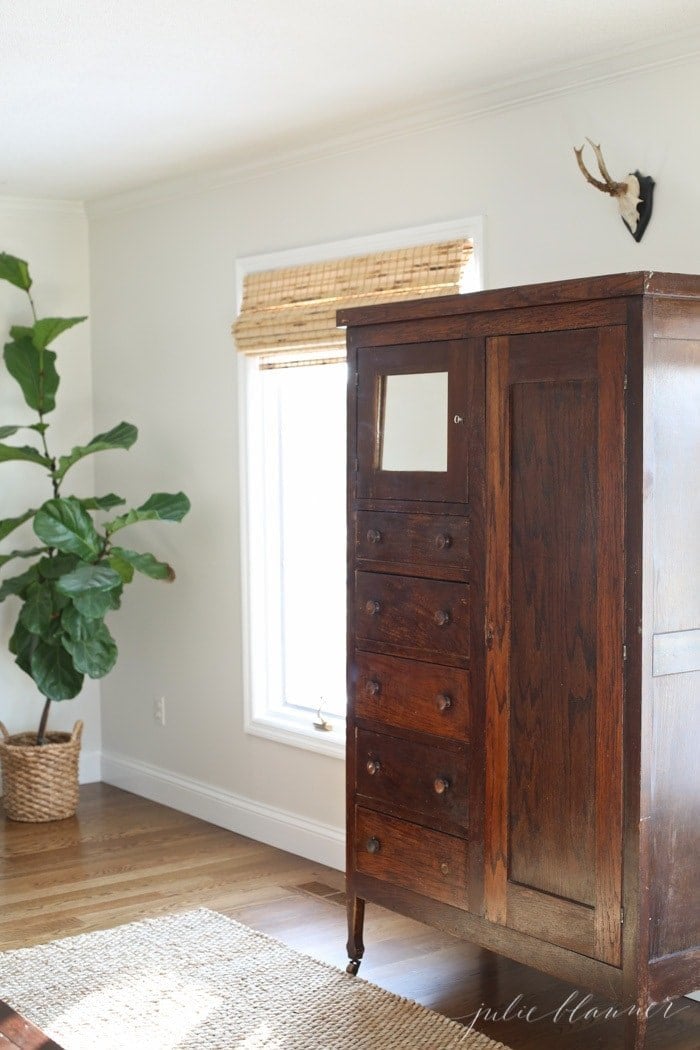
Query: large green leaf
x,y
22,331
161,506
23,452
95,604
46,330
107,502
93,589
35,371
76,625
15,270
57,565
65,525
37,611
121,436
125,570
22,644
8,525
41,612
145,563
8,431
18,585
94,655
89,578
4,558
51,667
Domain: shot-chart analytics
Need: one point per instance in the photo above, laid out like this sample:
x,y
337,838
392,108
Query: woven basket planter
x,y
40,783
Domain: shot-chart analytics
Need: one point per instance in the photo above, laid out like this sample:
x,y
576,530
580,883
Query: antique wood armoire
x,y
524,626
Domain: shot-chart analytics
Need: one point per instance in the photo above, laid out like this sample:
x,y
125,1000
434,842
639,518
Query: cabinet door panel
x,y
413,438
553,638
555,572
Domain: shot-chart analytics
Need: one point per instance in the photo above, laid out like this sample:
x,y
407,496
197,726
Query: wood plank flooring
x,y
124,858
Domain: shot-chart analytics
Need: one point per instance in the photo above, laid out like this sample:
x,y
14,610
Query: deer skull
x,y
633,194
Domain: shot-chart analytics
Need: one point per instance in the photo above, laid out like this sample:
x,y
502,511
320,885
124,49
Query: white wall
x,y
53,238
163,302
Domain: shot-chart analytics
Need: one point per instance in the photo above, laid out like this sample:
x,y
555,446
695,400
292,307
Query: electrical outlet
x,y
159,711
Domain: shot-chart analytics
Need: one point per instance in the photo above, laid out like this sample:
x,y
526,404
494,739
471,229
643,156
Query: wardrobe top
x,y
611,286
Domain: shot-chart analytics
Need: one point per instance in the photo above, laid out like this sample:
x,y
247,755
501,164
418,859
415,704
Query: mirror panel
x,y
413,422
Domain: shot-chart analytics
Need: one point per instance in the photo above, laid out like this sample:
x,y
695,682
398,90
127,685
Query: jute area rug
x,y
200,980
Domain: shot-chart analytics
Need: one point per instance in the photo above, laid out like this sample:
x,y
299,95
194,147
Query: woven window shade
x,y
287,316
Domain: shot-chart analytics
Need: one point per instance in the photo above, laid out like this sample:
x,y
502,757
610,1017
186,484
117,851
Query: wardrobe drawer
x,y
428,618
405,854
435,543
411,695
422,778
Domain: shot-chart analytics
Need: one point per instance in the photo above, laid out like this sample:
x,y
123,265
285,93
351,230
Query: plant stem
x,y
54,482
42,724
52,472
41,732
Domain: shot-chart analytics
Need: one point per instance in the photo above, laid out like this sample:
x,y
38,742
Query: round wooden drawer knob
x,y
441,785
374,766
372,608
374,536
442,617
444,541
373,845
443,702
373,687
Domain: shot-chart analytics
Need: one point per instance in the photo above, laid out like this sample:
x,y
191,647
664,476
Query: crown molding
x,y
18,205
617,65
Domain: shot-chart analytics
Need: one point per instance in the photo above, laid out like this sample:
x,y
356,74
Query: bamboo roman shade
x,y
287,316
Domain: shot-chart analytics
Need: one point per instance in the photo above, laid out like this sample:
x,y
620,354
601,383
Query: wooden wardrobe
x,y
524,626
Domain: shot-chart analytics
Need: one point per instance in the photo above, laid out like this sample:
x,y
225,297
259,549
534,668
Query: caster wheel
x,y
352,967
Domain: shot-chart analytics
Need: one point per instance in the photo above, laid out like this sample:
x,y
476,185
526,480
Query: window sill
x,y
298,732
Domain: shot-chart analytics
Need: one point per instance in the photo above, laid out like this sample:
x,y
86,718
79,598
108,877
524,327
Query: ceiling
x,y
102,97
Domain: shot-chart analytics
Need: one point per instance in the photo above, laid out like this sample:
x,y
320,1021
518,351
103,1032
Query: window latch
x,y
320,722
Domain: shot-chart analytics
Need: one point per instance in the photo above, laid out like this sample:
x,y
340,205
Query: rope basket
x,y
40,783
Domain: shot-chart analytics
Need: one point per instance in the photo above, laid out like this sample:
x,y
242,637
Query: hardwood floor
x,y
124,858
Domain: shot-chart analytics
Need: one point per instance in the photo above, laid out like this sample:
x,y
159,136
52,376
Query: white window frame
x,y
259,717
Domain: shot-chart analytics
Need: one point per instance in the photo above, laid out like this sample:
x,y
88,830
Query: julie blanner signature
x,y
576,1007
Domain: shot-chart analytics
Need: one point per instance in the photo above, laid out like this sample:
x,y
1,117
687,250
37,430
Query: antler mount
x,y
633,194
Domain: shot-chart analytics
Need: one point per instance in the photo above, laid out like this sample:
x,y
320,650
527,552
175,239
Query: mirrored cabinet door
x,y
413,422
416,417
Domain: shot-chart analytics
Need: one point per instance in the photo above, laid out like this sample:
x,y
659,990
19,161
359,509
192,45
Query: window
x,y
293,458
297,520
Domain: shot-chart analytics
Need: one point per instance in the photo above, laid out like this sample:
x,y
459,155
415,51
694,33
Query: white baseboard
x,y
322,843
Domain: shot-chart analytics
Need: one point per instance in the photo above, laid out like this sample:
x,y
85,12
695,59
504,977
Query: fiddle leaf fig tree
x,y
76,572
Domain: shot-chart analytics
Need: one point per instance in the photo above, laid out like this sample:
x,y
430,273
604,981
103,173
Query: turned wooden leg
x,y
356,922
